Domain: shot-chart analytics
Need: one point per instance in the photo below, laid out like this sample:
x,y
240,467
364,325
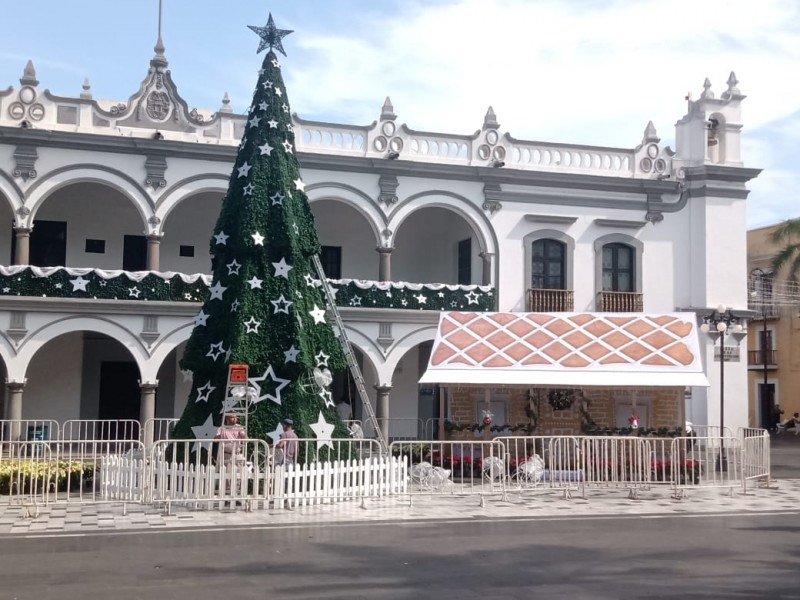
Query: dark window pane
x,y
465,262
48,245
95,246
548,260
618,262
187,251
623,258
134,253
331,259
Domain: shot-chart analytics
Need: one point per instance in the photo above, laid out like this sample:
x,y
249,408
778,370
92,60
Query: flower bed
x,y
23,476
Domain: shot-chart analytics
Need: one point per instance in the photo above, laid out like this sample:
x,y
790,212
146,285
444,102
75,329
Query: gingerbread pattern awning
x,y
566,349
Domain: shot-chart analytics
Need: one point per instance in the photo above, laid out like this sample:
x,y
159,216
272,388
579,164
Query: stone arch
x,y
63,177
9,357
368,348
716,136
11,211
11,191
162,348
461,205
190,186
426,240
38,338
406,343
352,197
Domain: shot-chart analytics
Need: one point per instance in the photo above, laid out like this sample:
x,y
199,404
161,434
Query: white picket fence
x,y
339,480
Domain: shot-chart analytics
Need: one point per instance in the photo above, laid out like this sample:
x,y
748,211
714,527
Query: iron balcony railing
x,y
757,358
620,301
771,311
542,300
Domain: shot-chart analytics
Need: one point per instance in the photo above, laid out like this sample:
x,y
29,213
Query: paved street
x,y
614,557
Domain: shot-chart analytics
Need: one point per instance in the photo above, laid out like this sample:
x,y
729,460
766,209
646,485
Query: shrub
x,y
23,476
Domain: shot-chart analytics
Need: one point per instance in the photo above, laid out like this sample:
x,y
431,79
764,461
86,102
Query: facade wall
x,y
108,175
783,325
54,386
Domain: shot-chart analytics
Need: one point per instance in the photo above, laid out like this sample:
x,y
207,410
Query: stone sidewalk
x,y
782,496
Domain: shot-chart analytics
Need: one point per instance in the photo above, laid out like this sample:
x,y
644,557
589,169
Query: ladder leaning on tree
x,y
349,355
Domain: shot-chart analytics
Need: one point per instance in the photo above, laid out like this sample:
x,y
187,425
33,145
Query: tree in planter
x,y
265,307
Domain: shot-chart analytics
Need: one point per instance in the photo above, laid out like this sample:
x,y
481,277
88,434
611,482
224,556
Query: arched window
x,y
619,268
548,265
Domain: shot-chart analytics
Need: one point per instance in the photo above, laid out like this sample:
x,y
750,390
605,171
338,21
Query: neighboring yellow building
x,y
773,344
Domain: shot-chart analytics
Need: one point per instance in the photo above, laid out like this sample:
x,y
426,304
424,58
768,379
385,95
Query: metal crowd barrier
x,y
101,429
755,457
157,429
543,463
87,472
66,464
454,468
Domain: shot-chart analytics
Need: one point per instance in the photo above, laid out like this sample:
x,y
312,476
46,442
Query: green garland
x,y
153,287
596,430
527,428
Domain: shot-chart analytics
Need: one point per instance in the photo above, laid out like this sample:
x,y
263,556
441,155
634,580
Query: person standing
x,y
231,451
345,410
288,443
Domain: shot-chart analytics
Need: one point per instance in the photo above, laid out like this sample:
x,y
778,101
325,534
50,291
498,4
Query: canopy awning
x,y
566,349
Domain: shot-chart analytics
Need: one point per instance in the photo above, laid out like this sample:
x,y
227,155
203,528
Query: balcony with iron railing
x,y
620,301
759,358
770,310
543,300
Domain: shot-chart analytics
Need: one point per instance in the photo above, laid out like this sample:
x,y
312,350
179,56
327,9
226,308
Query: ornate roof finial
x,y
490,120
650,135
29,75
159,60
226,104
387,112
270,36
86,94
707,93
732,90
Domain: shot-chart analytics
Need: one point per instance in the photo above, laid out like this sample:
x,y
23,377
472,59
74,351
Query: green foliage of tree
x,y
787,235
267,304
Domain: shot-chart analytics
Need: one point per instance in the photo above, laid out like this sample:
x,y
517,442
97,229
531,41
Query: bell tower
x,y
709,133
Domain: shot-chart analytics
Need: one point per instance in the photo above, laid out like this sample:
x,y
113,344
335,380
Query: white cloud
x,y
578,72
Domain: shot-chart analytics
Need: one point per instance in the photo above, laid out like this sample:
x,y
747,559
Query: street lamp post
x,y
717,325
764,362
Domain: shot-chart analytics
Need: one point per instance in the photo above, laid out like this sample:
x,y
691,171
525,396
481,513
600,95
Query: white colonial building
x,y
101,187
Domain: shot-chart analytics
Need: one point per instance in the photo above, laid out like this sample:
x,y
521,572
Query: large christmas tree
x,y
266,308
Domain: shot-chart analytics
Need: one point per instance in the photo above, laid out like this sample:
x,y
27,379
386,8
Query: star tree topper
x,y
270,36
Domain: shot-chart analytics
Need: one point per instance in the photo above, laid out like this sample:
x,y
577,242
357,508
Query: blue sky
x,y
573,71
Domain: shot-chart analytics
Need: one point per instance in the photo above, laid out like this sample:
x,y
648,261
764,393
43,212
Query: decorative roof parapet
x,y
157,109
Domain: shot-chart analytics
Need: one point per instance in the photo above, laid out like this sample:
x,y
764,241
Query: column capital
x,y
19,230
154,237
384,249
15,386
148,386
383,389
